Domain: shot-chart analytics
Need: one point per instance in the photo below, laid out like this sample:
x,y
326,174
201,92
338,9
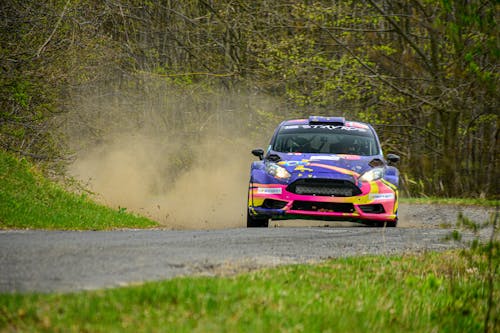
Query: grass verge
x,y
28,200
452,201
436,292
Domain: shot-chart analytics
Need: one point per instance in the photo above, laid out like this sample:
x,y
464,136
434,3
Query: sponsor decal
x,y
269,190
335,168
350,157
325,158
381,196
328,127
356,124
343,128
293,163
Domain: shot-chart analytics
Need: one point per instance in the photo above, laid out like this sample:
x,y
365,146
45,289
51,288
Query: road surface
x,y
63,261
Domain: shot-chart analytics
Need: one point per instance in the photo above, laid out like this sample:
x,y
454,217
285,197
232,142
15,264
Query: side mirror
x,y
259,152
393,158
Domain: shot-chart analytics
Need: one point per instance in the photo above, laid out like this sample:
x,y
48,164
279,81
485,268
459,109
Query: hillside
x,y
28,200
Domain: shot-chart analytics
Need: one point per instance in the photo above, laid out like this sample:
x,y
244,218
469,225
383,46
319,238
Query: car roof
x,y
312,120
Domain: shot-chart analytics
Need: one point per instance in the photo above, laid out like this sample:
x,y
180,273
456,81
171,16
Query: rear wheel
x,y
257,221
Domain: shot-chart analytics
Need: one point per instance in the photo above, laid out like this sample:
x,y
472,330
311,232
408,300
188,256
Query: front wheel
x,y
381,224
257,221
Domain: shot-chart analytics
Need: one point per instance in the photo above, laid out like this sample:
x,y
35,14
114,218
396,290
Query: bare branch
x,y
414,46
374,72
40,50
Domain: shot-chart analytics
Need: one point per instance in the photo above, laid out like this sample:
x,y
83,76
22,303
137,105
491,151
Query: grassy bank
x,y
452,201
28,200
443,292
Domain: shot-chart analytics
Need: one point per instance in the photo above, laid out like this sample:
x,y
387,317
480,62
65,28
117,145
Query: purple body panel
x,y
321,185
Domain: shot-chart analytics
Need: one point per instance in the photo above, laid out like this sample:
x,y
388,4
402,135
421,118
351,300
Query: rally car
x,y
323,168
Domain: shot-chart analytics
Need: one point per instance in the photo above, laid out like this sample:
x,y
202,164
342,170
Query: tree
x,y
425,72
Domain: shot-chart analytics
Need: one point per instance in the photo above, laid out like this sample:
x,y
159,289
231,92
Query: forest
x,y
423,72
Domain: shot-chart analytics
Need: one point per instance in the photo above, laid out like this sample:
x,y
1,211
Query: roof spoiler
x,y
317,120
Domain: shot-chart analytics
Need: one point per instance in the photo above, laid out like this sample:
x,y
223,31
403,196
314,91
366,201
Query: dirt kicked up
x,y
133,173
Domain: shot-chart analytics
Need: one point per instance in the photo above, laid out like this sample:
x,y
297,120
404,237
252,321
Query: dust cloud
x,y
135,173
186,171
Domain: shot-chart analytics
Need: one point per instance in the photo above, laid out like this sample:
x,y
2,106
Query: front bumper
x,y
378,201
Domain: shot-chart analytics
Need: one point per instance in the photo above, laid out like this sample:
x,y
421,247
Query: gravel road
x,y
63,261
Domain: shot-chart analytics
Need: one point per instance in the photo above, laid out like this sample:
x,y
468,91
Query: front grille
x,y
373,209
274,204
324,187
327,207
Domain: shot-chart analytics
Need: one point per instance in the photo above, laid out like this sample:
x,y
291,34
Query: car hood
x,y
325,165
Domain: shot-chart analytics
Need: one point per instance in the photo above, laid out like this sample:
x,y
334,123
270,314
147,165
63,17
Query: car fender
x,y
392,175
259,175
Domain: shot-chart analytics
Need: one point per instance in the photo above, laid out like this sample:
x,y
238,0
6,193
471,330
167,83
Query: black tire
x,y
257,221
381,224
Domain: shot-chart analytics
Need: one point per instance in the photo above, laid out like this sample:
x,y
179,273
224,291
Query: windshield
x,y
325,139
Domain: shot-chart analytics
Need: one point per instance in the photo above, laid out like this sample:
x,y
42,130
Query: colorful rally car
x,y
323,168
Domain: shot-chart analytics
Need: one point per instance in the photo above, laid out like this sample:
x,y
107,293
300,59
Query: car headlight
x,y
372,174
276,171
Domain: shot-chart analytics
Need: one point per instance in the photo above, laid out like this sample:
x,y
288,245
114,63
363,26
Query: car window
x,y
325,140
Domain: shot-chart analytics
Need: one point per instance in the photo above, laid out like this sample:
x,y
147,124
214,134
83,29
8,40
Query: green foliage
x,y
419,293
425,72
455,235
45,48
20,93
452,201
28,200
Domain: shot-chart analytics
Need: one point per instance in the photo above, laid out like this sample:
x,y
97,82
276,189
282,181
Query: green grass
x,y
452,201
443,292
28,200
